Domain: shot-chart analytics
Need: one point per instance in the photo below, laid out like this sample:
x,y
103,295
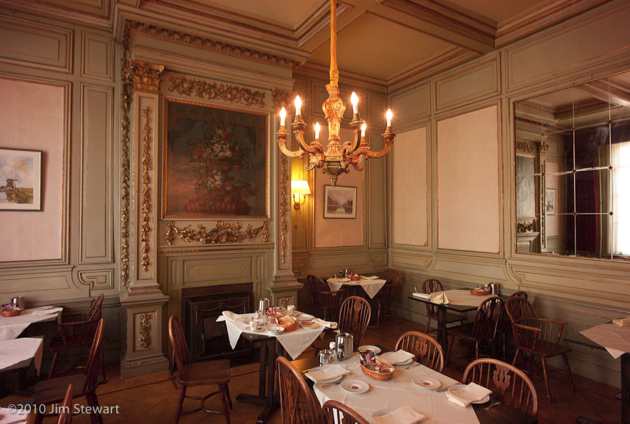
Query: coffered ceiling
x,y
385,42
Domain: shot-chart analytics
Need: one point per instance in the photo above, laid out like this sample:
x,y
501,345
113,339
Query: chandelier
x,y
337,158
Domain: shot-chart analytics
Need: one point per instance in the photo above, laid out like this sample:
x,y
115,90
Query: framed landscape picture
x,y
20,180
550,201
340,202
216,162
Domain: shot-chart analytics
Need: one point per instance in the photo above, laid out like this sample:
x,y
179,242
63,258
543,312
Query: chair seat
x,y
449,317
212,372
547,349
54,390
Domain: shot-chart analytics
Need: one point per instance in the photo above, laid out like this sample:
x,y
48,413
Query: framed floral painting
x,y
216,162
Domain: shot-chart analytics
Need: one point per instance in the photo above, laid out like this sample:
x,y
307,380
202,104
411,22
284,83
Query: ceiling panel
x,y
380,48
498,11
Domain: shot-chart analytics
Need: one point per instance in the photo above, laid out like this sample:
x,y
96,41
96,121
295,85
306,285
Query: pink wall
x,y
32,117
468,182
338,232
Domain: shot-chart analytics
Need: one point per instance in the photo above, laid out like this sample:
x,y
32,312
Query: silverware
x,y
330,385
411,366
446,388
487,408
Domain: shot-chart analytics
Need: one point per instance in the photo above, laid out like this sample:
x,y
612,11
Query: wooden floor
x,y
153,399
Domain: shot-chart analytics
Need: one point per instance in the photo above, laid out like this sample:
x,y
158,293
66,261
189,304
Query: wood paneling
x,y
97,58
409,106
218,268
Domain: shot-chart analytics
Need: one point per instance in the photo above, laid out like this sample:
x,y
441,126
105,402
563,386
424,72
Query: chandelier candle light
x,y
337,158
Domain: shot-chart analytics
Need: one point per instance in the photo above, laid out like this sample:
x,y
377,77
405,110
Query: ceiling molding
x,y
541,18
96,17
347,78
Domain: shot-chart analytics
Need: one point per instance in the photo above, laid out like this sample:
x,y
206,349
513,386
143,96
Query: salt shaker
x,y
332,352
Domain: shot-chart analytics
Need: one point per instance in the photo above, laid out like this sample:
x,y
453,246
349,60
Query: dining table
x,y
371,285
12,327
456,300
386,396
272,345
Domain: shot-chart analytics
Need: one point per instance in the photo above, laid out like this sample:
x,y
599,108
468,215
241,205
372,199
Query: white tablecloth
x,y
6,417
371,287
463,297
294,342
12,327
397,392
18,350
615,339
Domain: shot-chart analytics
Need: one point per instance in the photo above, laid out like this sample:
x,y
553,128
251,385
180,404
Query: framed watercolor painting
x,y
20,180
550,201
340,202
216,162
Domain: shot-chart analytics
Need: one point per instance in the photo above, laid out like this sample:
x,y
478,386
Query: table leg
x,y
625,388
442,334
261,398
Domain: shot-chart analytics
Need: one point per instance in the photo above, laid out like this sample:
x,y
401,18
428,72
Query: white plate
x,y
374,349
276,330
257,330
407,362
332,380
305,317
427,383
355,386
463,386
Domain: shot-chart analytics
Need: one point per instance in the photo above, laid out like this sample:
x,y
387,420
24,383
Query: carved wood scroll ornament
x,y
222,233
212,91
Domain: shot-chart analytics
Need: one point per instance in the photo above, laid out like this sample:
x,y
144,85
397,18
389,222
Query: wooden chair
x,y
198,374
508,384
354,318
431,286
338,413
519,293
77,330
324,298
66,408
537,336
483,329
387,293
297,402
428,351
54,390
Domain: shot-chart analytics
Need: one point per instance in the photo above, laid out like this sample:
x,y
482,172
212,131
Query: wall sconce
x,y
301,189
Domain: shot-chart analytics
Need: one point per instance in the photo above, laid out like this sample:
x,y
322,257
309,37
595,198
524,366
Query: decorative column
x,y
142,300
542,157
284,287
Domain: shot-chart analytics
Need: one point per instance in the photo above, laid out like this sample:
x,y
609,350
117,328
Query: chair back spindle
x,y
297,402
428,351
354,318
338,413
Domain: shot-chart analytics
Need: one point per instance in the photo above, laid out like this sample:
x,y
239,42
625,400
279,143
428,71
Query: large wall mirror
x,y
572,171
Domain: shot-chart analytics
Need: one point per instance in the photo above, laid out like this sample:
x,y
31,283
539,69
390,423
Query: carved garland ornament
x,y
125,102
282,99
528,147
222,233
145,330
212,91
210,45
146,186
146,77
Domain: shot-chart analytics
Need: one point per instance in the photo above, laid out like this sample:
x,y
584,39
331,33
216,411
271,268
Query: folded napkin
x,y
440,298
422,295
403,415
47,310
396,357
327,373
328,324
472,393
232,316
625,322
371,277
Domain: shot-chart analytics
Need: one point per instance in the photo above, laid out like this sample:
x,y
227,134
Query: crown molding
x,y
321,72
95,17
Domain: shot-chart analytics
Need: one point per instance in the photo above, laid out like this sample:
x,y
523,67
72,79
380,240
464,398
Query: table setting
x,y
15,351
372,284
12,326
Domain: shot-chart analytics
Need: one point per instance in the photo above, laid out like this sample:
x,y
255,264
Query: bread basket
x,y
379,376
284,323
476,292
11,313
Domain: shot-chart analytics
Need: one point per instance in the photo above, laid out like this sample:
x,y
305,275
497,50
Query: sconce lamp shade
x,y
300,187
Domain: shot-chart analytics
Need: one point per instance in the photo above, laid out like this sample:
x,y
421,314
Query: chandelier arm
x,y
282,143
312,148
388,137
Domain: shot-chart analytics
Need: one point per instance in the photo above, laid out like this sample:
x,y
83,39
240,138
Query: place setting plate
x,y
374,349
355,386
308,324
401,364
463,386
426,383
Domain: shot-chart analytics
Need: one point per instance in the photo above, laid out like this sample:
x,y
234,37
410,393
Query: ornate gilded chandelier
x,y
337,158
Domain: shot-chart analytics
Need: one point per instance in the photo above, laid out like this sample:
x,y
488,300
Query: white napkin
x,y
472,393
403,415
422,295
371,277
232,316
440,299
327,373
396,357
329,324
622,322
47,310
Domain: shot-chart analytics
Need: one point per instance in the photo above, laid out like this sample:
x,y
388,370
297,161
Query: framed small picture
x,y
550,201
340,202
20,180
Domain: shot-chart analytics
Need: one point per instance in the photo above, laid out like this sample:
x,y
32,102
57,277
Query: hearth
x,y
201,306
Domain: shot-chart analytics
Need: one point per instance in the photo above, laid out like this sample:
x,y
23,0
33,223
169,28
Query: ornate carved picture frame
x,y
216,161
20,180
340,202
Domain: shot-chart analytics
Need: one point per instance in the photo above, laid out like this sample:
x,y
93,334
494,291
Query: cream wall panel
x,y
97,59
469,84
468,181
101,279
329,264
35,44
593,38
22,285
471,269
410,191
410,105
408,261
217,268
376,174
96,192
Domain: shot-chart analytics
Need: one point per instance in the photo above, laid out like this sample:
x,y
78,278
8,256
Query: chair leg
x,y
426,330
39,418
180,406
227,393
448,350
395,312
544,366
52,366
103,364
378,315
476,349
515,357
95,417
566,366
224,402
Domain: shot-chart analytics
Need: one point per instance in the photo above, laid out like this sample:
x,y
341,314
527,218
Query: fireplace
x,y
201,306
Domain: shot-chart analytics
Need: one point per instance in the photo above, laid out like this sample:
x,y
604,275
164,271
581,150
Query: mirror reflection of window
x,y
621,198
